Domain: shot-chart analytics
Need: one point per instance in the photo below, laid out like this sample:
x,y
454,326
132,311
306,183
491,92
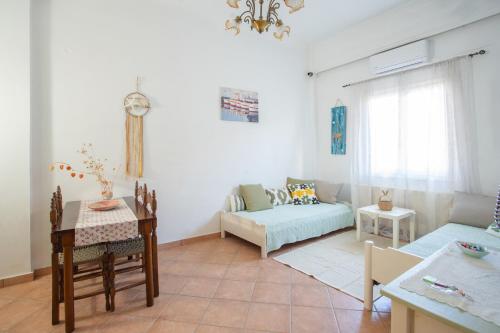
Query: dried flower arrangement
x,y
385,200
94,167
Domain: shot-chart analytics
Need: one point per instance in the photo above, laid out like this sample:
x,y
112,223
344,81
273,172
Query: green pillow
x,y
255,197
295,181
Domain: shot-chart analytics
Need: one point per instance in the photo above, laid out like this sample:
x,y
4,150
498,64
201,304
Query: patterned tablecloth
x,y
105,226
478,278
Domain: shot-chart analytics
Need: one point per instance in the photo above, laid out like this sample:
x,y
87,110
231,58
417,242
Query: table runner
x,y
95,227
478,278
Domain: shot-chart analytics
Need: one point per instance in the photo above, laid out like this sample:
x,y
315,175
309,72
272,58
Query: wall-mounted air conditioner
x,y
409,55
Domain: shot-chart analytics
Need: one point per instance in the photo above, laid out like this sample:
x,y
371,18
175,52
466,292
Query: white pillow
x,y
236,203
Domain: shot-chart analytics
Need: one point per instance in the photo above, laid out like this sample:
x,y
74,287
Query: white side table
x,y
396,215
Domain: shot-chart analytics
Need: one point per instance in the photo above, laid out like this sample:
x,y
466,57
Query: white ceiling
x,y
322,18
318,19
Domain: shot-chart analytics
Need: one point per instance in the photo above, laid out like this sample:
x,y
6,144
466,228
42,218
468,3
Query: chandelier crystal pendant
x,y
253,16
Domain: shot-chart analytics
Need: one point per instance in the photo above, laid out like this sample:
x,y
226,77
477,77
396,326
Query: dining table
x,y
146,223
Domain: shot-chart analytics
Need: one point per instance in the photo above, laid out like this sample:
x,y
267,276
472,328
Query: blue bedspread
x,y
290,223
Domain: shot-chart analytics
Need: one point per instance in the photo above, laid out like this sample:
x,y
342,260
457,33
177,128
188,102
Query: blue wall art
x,y
339,130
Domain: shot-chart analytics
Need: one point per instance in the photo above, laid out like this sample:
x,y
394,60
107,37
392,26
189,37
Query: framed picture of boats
x,y
239,105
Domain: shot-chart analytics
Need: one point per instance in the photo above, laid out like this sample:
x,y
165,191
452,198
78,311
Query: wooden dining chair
x,y
88,261
132,250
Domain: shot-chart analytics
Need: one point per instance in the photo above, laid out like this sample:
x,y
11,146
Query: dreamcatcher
x,y
136,106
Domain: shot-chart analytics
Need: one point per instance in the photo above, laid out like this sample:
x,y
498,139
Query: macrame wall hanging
x,y
136,106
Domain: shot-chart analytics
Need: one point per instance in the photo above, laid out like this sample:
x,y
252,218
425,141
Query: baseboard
x,y
47,270
10,281
42,271
187,241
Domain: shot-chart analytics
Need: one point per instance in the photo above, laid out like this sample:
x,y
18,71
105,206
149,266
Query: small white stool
x,y
396,215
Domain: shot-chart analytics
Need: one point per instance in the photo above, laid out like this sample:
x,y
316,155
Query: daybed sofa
x,y
469,218
271,229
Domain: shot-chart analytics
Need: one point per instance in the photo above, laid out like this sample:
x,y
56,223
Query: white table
x,y
414,313
395,215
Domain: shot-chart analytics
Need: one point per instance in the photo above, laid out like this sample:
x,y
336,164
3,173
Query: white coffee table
x,y
396,215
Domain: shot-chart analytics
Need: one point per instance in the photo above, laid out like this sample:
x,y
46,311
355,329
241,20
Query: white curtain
x,y
415,132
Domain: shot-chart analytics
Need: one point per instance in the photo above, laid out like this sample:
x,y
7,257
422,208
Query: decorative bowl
x,y
472,249
104,205
385,205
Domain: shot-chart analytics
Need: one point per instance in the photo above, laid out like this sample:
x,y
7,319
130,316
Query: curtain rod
x,y
480,52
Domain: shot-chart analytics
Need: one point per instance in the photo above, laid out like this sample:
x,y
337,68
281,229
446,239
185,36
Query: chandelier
x,y
254,16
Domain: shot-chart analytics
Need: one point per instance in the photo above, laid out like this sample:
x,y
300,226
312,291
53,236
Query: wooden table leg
x,y
149,264
402,318
55,288
69,305
154,245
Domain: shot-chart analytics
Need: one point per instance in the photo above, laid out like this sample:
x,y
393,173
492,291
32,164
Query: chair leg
x,y
105,280
55,289
61,285
156,283
111,281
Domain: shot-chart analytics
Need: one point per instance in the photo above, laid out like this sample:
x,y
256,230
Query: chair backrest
x,y
56,208
144,197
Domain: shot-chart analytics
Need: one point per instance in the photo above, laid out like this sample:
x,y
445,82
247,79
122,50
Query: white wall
x,y
401,24
14,138
482,34
88,54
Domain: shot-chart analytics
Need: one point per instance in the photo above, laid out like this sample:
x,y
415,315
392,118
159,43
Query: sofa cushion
x,y
236,203
303,194
255,197
472,209
345,193
327,192
296,181
278,196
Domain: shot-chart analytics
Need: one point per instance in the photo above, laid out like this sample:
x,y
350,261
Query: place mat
x,y
95,227
478,278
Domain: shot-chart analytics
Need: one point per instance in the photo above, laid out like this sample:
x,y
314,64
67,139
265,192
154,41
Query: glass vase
x,y
107,190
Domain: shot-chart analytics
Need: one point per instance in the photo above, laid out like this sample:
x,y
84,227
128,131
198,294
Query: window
x,y
415,130
408,133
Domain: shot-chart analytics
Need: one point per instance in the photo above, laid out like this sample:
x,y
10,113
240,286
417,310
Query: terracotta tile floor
x,y
218,285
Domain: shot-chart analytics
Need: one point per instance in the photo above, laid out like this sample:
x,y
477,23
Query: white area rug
x,y
337,261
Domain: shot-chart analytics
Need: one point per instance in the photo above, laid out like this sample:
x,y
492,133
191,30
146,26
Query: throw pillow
x,y
255,197
278,196
345,193
475,210
303,194
236,203
295,181
327,192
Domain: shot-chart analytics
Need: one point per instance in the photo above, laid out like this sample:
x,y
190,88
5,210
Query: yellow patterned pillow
x,y
303,194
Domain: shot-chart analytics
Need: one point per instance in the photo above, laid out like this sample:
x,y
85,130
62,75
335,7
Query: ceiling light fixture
x,y
260,22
